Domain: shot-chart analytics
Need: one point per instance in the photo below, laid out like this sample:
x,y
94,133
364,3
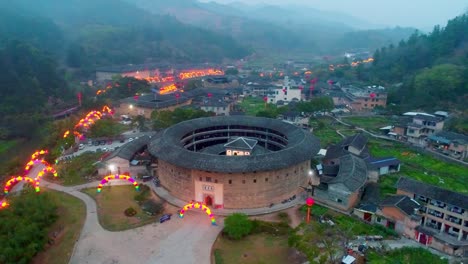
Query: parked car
x,y
164,218
146,178
130,139
81,146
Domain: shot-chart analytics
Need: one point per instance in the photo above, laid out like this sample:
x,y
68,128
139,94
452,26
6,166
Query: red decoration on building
x,y
372,95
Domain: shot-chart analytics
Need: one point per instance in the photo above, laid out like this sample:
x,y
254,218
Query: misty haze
x,y
233,131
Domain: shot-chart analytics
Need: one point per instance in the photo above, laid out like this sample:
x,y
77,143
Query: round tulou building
x,y
234,161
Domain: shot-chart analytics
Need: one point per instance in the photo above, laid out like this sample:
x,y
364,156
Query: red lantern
x,y
210,95
284,90
265,98
135,97
372,95
310,201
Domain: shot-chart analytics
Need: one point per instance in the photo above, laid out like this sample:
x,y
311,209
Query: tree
x,y
28,217
237,225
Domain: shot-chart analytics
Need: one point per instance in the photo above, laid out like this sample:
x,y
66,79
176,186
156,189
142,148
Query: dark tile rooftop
x,y
433,192
402,202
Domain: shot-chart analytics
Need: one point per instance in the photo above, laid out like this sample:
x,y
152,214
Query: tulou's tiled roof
x,y
301,146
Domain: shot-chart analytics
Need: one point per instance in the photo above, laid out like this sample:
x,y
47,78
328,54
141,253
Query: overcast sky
x,y
423,14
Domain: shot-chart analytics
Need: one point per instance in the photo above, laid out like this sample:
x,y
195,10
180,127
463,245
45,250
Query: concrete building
x,y
365,99
193,163
444,216
288,92
423,126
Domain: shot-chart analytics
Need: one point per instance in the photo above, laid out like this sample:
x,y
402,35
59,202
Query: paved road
x,y
183,241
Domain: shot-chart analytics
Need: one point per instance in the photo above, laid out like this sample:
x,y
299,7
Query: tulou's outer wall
x,y
239,190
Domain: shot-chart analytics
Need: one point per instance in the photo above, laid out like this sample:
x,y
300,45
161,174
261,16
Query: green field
x,y
77,170
370,123
252,105
253,249
72,213
420,167
111,204
325,129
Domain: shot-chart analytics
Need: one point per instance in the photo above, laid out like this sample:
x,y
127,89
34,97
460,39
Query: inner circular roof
x,y
294,144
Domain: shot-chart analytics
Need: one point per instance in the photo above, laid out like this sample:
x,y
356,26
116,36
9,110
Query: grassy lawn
x,y
372,123
67,228
252,105
111,204
255,248
420,167
78,170
405,255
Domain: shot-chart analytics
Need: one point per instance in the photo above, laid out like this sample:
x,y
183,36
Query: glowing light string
x,y
198,206
108,178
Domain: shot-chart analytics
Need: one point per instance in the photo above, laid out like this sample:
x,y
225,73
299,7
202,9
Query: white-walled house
x,y
288,92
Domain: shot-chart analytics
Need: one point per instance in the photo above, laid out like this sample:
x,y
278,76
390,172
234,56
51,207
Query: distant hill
x,y
115,32
256,33
285,28
374,38
39,31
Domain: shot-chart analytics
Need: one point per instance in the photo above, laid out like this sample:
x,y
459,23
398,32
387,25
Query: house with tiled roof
x,y
355,145
444,216
130,158
452,144
401,213
342,190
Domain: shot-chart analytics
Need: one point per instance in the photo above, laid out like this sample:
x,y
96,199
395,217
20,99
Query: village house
x,y
287,92
423,126
444,216
400,213
365,99
356,145
452,144
377,167
218,106
131,159
341,185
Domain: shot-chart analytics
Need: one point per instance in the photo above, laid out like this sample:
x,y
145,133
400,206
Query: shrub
x,y
130,212
237,225
152,208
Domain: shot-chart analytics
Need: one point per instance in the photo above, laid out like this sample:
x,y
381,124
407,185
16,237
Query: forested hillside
x,y
431,69
30,82
104,32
